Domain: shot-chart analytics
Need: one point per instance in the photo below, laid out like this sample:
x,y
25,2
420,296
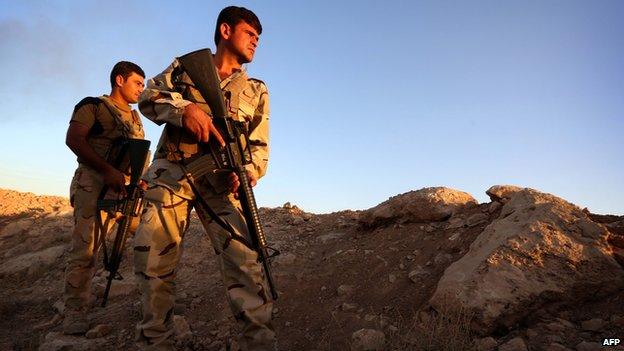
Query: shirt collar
x,y
240,72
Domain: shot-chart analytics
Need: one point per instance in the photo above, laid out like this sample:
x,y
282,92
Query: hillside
x,y
429,269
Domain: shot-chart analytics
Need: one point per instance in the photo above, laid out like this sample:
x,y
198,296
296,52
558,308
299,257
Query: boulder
x,y
494,206
17,227
23,262
540,249
98,331
424,205
502,193
476,219
417,275
181,329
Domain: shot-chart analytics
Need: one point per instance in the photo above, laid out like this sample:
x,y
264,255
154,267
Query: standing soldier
x,y
97,122
171,98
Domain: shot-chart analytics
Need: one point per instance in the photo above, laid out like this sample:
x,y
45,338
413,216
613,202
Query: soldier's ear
x,y
226,30
119,80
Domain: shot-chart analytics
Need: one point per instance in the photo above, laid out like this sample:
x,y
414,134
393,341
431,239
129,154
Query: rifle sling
x,y
100,236
213,215
201,166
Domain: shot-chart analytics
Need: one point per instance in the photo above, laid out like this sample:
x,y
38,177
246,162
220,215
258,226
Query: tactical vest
x,y
177,143
109,127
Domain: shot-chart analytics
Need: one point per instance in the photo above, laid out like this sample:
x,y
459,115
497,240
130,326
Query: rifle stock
x,y
200,67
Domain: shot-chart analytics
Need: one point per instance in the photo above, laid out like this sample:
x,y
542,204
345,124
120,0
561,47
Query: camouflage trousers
x,y
158,247
81,261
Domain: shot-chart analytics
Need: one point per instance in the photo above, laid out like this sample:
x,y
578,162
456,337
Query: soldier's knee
x,y
238,255
80,256
156,259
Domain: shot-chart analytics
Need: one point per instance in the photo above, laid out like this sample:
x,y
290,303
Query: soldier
x,y
171,98
95,124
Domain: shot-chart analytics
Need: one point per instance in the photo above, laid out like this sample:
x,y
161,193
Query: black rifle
x,y
200,67
135,152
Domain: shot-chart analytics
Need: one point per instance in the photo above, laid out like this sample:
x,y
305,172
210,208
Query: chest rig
x,y
241,101
110,127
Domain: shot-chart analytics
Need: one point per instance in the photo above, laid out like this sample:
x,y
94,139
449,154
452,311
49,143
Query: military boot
x,y
75,321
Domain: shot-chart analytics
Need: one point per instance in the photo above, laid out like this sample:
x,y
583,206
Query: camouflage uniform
x,y
107,121
170,199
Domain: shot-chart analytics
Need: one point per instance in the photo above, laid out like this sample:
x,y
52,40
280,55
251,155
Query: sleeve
x,y
159,102
259,135
84,112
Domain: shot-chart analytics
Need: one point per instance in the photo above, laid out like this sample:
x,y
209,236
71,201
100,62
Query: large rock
x,y
181,329
98,331
17,227
21,263
486,344
540,249
502,193
424,205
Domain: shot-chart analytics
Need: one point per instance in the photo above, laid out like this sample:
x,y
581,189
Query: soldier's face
x,y
243,41
131,87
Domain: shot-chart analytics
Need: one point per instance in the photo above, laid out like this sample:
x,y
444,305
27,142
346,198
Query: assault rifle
x,y
132,153
200,67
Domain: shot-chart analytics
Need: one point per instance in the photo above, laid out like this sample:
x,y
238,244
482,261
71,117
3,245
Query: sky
x,y
369,99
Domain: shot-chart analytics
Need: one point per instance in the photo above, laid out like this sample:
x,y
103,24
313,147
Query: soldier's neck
x,y
226,63
116,96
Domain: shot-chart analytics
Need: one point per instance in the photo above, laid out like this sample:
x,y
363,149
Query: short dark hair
x,y
125,69
232,15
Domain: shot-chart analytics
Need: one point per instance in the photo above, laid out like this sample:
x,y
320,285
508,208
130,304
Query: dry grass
x,y
444,330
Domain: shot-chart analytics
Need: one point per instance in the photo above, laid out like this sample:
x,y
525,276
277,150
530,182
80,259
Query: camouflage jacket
x,y
167,94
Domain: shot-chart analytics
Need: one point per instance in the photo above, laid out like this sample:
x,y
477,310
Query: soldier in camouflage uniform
x,y
171,98
95,124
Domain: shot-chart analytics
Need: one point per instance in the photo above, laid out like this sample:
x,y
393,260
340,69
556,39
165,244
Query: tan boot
x,y
75,322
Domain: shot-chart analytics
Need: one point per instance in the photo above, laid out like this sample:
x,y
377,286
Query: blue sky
x,y
369,99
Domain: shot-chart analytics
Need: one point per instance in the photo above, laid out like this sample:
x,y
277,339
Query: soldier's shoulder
x,y
259,85
89,101
257,81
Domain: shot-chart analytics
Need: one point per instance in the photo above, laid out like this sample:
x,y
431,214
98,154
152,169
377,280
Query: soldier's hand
x,y
200,124
234,182
252,179
143,185
115,180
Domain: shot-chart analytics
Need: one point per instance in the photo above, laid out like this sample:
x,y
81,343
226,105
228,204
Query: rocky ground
x,y
427,270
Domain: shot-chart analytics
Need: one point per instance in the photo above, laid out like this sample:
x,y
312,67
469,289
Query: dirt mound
x,y
343,283
15,203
